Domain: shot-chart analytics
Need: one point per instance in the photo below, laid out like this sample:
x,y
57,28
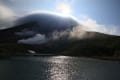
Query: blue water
x,y
58,68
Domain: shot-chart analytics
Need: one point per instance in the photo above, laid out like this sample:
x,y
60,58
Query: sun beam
x,y
64,9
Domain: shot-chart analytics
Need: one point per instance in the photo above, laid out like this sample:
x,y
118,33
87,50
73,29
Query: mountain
x,y
34,33
100,45
34,24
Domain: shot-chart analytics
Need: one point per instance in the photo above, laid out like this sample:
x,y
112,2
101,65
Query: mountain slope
x,y
102,45
92,44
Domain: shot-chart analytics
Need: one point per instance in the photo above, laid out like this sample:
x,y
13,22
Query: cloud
x,y
91,25
7,16
74,33
80,31
37,39
77,32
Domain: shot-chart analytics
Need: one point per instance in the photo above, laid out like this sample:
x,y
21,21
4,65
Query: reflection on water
x,y
57,71
58,68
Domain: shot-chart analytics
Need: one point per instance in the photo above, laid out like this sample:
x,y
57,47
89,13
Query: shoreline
x,y
48,55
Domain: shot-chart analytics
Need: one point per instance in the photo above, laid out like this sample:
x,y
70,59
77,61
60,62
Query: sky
x,y
98,13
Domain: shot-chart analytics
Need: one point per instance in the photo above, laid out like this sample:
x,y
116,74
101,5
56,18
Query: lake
x,y
58,68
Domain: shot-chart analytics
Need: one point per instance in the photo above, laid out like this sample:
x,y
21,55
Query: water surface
x,y
58,68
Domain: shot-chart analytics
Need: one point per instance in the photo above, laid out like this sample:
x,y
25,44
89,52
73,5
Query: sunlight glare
x,y
64,8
